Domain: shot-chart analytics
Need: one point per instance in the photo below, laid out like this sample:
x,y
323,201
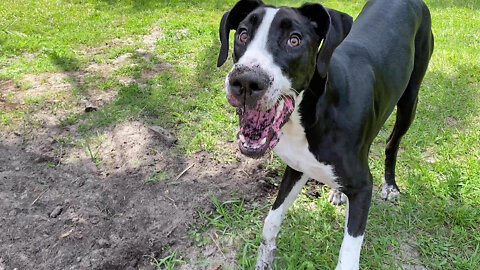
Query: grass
x,y
196,112
160,176
169,262
91,146
176,84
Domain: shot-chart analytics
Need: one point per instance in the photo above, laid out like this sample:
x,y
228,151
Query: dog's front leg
x,y
291,186
358,204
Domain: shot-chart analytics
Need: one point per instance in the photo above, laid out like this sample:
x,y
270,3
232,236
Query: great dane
x,y
316,88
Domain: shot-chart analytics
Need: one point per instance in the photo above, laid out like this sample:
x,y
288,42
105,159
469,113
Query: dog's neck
x,y
316,98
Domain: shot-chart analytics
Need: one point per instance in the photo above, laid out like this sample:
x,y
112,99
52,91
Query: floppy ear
x,y
332,26
230,21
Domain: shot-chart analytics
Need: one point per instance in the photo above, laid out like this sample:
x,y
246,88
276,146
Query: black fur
x,y
351,84
230,21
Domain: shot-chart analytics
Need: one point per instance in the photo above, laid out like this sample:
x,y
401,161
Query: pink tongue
x,y
255,124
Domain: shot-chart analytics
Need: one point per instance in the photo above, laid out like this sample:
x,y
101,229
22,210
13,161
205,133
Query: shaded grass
x,y
438,165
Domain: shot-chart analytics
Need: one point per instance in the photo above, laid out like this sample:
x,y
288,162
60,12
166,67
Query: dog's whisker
x,y
294,90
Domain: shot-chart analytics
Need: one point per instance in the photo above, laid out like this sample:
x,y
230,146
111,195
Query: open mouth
x,y
261,131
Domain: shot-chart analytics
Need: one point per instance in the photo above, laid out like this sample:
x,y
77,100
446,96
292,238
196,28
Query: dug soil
x,y
115,204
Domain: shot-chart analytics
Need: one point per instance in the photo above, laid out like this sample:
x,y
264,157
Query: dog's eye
x,y
294,40
243,36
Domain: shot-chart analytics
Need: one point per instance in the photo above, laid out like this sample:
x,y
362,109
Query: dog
x,y
316,87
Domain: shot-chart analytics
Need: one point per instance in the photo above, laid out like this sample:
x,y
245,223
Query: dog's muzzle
x,y
247,85
260,123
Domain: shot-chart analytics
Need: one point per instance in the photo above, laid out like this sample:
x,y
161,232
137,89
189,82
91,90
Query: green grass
x,y
438,165
169,262
160,176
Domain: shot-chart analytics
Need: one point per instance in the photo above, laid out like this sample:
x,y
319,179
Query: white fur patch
x,y
349,257
257,55
275,217
336,197
293,150
389,192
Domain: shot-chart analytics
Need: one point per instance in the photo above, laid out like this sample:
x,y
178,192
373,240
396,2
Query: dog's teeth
x,y
279,109
242,138
263,141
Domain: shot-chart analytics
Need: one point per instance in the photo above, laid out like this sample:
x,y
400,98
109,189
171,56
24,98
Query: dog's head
x,y
276,54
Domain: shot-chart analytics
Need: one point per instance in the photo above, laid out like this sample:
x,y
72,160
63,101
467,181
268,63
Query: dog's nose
x,y
248,86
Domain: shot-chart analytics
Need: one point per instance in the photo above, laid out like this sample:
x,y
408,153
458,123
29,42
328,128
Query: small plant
x,y
240,224
94,155
163,176
200,238
94,151
69,119
167,263
233,214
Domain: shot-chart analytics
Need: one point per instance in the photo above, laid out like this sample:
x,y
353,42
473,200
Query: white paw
x,y
389,192
337,197
265,257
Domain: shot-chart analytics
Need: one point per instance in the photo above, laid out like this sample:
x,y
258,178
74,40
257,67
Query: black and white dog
x,y
320,109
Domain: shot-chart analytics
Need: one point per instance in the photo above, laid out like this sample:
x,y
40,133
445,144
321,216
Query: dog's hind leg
x,y
407,105
405,114
291,186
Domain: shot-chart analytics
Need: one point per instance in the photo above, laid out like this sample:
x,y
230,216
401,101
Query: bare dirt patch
x,y
150,39
40,84
78,215
108,201
7,86
410,254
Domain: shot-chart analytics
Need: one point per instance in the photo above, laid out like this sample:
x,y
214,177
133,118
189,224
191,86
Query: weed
x,y
161,176
201,239
92,147
232,216
168,262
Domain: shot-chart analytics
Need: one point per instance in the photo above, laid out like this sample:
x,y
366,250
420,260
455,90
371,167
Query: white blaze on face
x,y
257,55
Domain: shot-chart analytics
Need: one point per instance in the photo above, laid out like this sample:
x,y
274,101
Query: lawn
x,y
173,82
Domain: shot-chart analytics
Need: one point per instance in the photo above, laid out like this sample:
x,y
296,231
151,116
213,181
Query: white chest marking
x,y
293,150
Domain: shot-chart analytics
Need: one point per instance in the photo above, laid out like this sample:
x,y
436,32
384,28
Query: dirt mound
x,y
69,210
